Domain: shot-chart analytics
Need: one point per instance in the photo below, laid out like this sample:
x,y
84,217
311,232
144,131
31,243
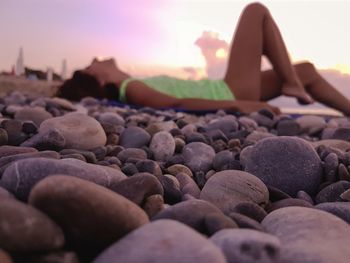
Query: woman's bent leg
x,y
258,34
243,72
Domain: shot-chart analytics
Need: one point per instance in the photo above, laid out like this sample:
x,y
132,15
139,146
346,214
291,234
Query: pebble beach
x,y
92,182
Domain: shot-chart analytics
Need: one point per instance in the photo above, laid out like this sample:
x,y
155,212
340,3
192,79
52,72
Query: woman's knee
x,y
305,67
306,72
257,8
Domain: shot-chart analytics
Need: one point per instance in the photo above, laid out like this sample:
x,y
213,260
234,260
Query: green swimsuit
x,y
180,88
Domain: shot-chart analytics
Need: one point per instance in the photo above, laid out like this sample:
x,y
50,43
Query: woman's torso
x,y
180,88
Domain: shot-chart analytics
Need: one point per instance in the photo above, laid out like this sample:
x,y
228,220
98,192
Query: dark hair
x,y
79,86
82,85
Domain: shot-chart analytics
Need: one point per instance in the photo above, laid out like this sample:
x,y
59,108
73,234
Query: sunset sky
x,y
155,36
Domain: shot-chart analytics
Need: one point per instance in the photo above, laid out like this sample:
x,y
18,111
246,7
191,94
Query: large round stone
x,y
22,175
226,189
26,229
309,235
91,216
162,241
287,163
248,246
80,130
198,156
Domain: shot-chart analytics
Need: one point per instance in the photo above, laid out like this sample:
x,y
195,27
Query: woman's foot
x,y
298,92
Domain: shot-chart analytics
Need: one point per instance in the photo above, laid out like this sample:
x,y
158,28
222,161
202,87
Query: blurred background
x,y
182,38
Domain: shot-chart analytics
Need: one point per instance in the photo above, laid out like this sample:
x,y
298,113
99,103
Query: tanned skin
x,y
256,35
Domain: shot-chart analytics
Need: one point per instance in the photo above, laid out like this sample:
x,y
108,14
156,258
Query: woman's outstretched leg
x,y
257,34
321,90
314,83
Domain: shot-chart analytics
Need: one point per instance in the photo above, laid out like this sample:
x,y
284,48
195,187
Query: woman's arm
x,y
139,93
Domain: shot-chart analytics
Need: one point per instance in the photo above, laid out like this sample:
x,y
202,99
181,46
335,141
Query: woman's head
x,y
79,86
98,80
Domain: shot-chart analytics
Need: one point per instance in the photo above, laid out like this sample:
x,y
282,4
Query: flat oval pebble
x,y
138,187
339,144
22,175
124,155
35,114
339,209
155,127
332,192
226,189
180,212
309,235
79,130
188,185
179,168
162,241
341,133
7,150
91,216
162,146
226,124
6,161
288,202
171,186
149,166
111,118
224,160
311,124
216,222
26,229
14,132
51,139
198,156
134,137
288,128
263,120
287,163
153,205
248,246
244,221
251,210
256,136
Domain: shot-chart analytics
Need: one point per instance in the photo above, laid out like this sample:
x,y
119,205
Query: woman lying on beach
x,y
244,88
